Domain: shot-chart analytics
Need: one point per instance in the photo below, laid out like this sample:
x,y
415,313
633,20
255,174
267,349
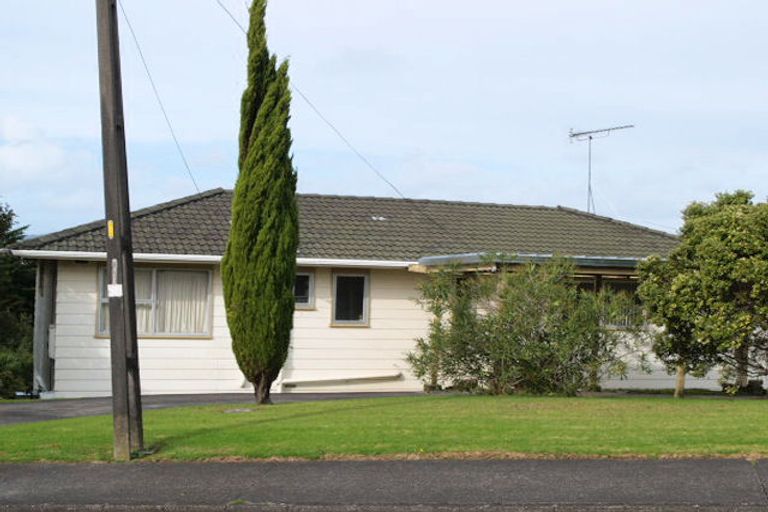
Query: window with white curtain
x,y
169,302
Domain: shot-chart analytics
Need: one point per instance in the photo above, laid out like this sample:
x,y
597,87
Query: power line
x,y
349,144
232,16
157,96
337,131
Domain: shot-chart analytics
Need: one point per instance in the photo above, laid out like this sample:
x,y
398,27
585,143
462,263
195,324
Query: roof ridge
x,y
63,234
429,201
576,211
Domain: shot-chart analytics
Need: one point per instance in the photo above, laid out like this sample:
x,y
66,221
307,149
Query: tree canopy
x,y
712,292
259,266
17,301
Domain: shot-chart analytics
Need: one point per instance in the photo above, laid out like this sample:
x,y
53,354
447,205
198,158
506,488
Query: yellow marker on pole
x,y
111,229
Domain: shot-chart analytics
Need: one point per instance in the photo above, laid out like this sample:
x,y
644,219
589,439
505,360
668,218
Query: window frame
x,y
637,309
102,300
310,304
366,320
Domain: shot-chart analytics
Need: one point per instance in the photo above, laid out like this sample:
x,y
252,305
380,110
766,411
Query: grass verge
x,y
413,427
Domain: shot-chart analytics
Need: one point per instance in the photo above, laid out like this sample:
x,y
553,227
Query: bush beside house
x,y
528,328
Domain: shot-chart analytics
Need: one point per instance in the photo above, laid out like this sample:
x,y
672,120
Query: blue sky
x,y
449,99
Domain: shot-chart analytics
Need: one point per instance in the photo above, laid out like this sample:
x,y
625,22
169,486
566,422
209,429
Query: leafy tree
x,y
727,241
17,282
526,329
259,266
674,343
716,284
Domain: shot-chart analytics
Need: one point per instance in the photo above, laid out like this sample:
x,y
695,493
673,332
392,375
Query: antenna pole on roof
x,y
119,283
588,136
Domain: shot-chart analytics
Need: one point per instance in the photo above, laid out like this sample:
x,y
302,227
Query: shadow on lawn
x,y
158,447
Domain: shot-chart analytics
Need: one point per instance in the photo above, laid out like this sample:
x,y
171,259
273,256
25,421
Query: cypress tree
x,y
259,266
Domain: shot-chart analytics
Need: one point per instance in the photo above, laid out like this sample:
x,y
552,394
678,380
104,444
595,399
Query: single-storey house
x,y
360,261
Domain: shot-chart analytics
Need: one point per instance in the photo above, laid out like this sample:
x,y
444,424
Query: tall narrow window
x,y
142,279
168,302
304,290
143,282
350,305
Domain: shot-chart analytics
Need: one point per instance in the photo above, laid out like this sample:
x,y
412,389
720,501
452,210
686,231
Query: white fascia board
x,y
102,256
196,258
327,262
58,255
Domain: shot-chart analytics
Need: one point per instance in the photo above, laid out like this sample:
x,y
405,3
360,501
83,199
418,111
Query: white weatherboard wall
x,y
322,352
319,352
658,378
82,359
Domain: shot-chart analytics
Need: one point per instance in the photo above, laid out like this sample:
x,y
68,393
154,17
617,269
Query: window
x,y
168,302
586,283
628,286
304,290
350,304
634,312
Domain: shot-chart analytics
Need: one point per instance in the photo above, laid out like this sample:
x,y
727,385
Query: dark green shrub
x,y
17,284
527,329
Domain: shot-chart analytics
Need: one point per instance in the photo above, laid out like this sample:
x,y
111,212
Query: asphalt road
x,y
552,485
27,411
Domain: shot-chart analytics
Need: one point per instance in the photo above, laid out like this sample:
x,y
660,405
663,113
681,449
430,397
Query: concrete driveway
x,y
42,410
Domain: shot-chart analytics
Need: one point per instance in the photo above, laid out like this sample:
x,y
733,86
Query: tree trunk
x,y
261,389
742,362
434,370
680,383
594,378
432,386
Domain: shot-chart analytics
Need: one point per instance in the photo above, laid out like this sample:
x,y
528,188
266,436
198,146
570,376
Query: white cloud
x,y
23,162
14,129
50,183
27,156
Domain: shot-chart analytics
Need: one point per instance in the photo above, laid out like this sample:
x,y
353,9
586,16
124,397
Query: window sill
x,y
351,325
163,337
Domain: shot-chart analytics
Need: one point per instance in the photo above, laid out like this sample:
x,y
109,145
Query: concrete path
x,y
41,410
552,485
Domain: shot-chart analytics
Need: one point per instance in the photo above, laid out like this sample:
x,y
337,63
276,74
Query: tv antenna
x,y
588,136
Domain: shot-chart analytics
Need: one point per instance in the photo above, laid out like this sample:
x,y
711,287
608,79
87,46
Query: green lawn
x,y
425,426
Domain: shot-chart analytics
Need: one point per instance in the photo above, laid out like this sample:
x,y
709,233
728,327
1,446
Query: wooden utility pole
x,y
126,387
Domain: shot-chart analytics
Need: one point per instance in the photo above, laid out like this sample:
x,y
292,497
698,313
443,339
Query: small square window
x,y
304,290
350,304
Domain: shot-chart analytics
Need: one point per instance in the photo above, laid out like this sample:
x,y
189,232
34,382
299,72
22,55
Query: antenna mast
x,y
588,136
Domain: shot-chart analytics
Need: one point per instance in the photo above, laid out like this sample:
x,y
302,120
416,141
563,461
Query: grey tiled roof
x,y
373,228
